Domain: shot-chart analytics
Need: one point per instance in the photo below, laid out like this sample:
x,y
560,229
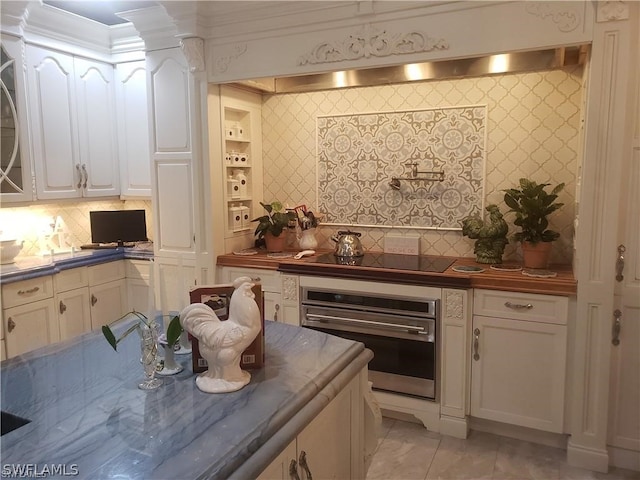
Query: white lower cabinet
x,y
74,312
30,326
326,448
271,288
28,315
518,366
108,302
137,273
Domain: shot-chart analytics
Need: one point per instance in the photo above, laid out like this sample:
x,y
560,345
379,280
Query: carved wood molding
x,y
222,63
193,49
370,42
290,288
612,10
453,305
566,18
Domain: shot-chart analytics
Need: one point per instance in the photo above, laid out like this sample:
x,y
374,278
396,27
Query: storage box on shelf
x,y
519,350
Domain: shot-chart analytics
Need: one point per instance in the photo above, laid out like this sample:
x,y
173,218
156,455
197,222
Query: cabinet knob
x,y
11,325
276,307
62,307
79,184
304,465
28,291
518,306
293,470
476,342
94,300
617,316
85,176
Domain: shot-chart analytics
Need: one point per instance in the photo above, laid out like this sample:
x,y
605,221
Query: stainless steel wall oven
x,y
401,331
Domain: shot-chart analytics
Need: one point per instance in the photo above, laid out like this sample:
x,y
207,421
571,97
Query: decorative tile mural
x,y
358,155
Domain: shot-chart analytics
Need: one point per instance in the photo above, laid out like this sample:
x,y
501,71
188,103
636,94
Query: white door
x,y
518,372
30,326
95,94
74,313
108,302
52,107
624,401
133,129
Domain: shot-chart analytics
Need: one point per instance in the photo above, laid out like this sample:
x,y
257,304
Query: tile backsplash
x,y
359,155
533,127
30,223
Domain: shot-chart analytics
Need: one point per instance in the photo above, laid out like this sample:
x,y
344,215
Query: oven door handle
x,y
348,320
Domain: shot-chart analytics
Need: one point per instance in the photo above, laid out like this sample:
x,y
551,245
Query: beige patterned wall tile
x,y
32,222
533,130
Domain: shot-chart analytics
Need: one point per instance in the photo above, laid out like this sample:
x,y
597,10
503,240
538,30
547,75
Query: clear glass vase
x,y
149,353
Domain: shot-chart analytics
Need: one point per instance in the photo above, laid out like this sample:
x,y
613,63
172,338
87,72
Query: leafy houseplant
x,y
173,330
272,225
532,205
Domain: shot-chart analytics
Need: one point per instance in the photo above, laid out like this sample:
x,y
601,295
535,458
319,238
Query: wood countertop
x,y
563,284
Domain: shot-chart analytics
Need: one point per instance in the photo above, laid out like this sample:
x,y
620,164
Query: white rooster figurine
x,y
221,343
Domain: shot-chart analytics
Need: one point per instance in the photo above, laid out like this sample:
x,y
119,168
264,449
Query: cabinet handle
x,y
275,314
62,307
476,341
304,465
28,291
86,175
293,470
620,263
518,306
94,300
617,316
79,185
11,325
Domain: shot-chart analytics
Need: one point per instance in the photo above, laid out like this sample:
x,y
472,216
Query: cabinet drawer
x,y
521,306
106,272
27,291
138,269
71,279
270,279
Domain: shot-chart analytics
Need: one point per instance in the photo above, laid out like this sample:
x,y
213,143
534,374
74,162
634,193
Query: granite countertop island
x,y
87,413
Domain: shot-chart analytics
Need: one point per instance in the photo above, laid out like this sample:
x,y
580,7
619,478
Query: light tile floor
x,y
408,451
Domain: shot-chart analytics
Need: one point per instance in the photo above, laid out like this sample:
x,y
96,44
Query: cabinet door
x,y
281,466
95,96
30,326
518,372
272,306
108,302
52,107
133,129
138,295
15,181
74,313
328,436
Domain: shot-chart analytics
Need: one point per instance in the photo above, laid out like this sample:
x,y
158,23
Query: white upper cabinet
x,y
72,119
15,176
133,129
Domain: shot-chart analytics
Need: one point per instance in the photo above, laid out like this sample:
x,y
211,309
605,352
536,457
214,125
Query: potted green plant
x,y
272,224
532,206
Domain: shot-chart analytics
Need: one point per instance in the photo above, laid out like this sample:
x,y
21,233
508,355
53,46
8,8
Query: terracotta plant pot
x,y
536,255
274,244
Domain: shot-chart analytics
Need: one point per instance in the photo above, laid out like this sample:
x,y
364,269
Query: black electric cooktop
x,y
417,263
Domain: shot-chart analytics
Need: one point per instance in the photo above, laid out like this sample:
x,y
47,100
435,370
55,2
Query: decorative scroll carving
x,y
222,63
290,288
612,10
565,17
372,43
453,305
193,49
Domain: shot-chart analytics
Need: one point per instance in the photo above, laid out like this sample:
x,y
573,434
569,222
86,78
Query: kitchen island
x,y
87,414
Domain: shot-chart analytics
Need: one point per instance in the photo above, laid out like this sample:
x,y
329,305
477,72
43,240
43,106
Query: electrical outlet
x,y
402,244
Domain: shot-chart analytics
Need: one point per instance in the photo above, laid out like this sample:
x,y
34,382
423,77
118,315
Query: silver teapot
x,y
348,244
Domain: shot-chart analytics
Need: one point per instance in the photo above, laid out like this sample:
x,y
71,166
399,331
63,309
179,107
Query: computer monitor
x,y
118,226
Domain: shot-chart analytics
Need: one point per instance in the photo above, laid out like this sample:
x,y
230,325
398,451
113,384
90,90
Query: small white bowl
x,y
9,250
